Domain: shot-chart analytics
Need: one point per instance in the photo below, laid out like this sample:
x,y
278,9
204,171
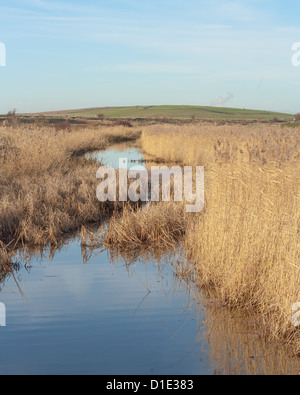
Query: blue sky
x,y
79,54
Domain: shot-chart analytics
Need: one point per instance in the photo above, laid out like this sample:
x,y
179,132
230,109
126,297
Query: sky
x,y
79,54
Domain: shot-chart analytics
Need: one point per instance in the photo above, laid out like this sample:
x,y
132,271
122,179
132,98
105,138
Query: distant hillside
x,y
174,112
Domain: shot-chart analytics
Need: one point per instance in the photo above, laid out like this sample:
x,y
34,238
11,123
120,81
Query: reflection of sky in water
x,y
99,318
111,157
67,317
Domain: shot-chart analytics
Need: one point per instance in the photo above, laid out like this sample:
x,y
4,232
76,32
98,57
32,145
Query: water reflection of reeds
x,y
237,347
231,338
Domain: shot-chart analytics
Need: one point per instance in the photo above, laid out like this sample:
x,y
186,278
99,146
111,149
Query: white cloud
x,y
222,100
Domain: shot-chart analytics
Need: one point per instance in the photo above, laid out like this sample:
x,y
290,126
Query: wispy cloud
x,y
222,100
202,48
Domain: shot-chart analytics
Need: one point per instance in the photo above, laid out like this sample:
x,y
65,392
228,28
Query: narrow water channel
x,y
66,315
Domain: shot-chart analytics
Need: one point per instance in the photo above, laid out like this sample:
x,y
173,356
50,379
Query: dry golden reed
x,y
47,189
155,227
246,243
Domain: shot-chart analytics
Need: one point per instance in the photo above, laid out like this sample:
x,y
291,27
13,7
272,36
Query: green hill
x,y
174,112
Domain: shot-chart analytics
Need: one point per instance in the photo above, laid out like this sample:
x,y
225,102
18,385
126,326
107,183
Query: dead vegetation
x,y
7,263
245,244
47,189
141,229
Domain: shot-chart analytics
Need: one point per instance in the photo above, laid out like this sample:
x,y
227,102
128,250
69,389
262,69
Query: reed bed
x,y
205,144
245,245
7,263
155,227
5,255
47,189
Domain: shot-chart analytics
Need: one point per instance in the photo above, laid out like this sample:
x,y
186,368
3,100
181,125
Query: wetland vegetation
x,y
242,250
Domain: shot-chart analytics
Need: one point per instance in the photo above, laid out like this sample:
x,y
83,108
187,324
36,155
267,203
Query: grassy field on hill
x,y
178,112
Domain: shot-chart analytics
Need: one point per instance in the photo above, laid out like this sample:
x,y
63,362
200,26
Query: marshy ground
x,y
243,247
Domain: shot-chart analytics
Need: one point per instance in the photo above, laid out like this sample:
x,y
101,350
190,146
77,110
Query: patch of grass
x,y
174,112
293,125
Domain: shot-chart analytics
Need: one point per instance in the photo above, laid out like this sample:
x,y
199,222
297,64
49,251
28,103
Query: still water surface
x,y
69,316
98,318
111,157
